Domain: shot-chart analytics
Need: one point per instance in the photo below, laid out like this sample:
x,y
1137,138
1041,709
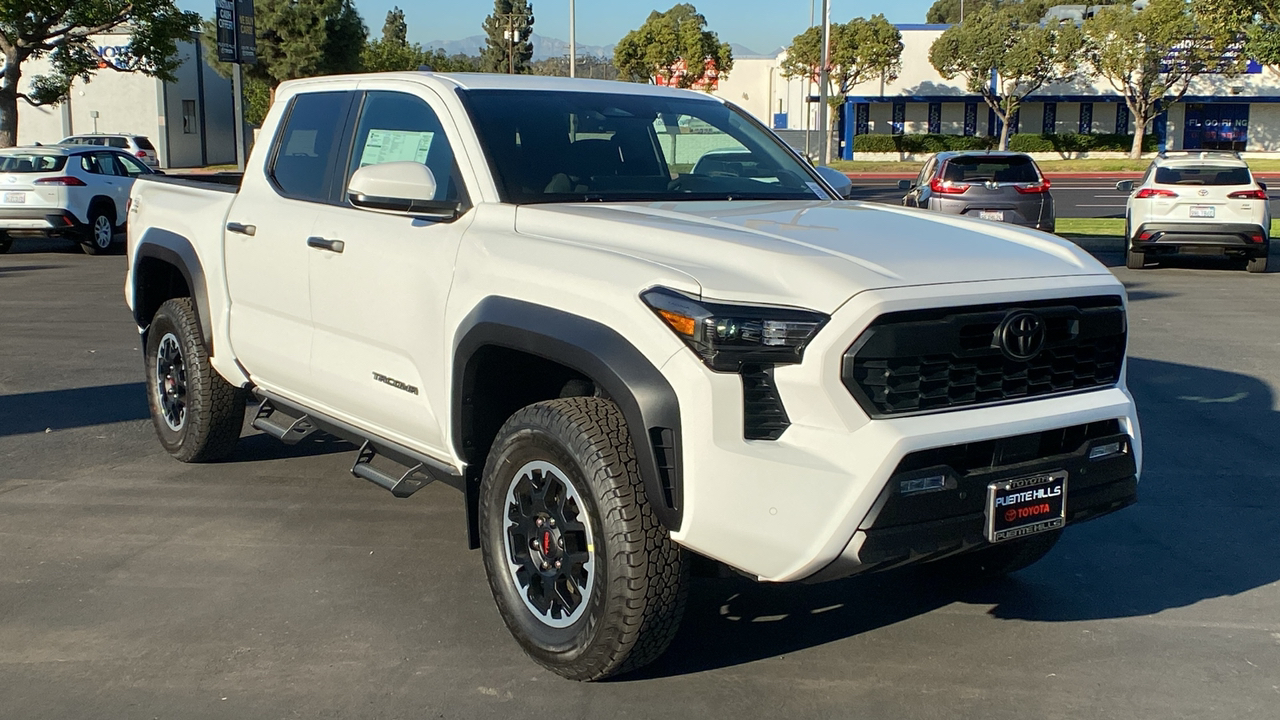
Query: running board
x,y
413,480
281,426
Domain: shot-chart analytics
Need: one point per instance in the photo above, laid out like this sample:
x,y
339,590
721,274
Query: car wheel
x,y
996,561
585,577
100,232
196,412
1134,259
1257,264
6,242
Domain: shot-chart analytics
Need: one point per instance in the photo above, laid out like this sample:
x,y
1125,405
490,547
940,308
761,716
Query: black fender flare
x,y
647,400
174,249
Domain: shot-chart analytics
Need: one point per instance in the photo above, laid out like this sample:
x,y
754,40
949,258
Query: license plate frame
x,y
1026,505
992,215
1203,211
15,198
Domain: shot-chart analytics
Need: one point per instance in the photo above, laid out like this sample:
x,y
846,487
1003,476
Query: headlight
x,y
727,337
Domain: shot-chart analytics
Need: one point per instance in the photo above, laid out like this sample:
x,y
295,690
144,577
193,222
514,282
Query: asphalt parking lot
x,y
277,586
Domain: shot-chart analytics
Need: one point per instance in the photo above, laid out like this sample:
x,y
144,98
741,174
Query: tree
x,y
676,47
1151,56
507,43
395,29
947,12
63,31
861,50
1258,19
1023,56
296,39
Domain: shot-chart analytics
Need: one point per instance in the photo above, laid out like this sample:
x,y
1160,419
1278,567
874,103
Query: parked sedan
x,y
76,192
1000,186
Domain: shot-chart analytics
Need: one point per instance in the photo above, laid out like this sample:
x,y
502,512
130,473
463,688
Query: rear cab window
x,y
1203,175
991,168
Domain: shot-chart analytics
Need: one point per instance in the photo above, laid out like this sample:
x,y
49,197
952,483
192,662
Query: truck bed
x,y
220,181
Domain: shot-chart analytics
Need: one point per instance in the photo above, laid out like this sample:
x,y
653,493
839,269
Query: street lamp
x,y
511,35
824,139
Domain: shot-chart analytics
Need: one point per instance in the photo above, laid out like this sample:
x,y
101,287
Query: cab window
x,y
300,167
132,167
396,127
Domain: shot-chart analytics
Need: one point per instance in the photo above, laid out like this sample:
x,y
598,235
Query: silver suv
x,y
987,185
136,145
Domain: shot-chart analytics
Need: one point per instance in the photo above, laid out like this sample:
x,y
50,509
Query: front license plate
x,y
1202,211
997,215
1027,505
15,197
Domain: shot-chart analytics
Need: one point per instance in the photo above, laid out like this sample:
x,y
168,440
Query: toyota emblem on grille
x,y
1021,335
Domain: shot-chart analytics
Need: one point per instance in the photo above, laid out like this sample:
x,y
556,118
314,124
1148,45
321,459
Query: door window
x,y
396,127
118,142
132,167
100,163
305,144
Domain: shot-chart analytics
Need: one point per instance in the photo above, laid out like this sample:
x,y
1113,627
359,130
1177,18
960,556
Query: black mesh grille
x,y
763,417
936,360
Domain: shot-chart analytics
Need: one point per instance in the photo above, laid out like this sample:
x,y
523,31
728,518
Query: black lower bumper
x,y
60,222
1232,238
905,528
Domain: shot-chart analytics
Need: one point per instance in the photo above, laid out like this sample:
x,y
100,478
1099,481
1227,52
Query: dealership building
x,y
190,120
1230,112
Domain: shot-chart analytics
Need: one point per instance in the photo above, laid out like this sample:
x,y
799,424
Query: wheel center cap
x,y
546,542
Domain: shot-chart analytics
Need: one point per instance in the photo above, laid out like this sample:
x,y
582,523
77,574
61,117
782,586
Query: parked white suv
x,y
76,192
531,289
1201,202
136,145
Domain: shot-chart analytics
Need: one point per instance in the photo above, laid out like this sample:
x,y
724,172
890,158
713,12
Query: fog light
x,y
1101,451
922,485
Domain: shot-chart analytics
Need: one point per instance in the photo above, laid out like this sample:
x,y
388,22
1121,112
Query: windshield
x,y
1205,175
32,163
547,146
991,168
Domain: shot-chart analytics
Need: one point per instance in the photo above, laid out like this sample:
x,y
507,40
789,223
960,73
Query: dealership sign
x,y
236,38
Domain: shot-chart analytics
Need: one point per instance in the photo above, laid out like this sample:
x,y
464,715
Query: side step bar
x,y
290,423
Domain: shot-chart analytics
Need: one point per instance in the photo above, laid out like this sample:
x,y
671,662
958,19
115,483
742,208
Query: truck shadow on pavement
x,y
1205,526
35,412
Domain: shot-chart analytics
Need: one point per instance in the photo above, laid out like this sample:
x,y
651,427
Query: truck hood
x,y
814,254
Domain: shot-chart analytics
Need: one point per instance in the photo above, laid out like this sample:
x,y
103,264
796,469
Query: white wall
x,y
1264,127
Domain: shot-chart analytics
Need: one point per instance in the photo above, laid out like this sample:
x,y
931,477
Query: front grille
x,y
922,361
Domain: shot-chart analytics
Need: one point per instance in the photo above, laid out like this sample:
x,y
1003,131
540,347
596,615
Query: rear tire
x,y
1257,264
997,561
6,242
100,232
197,414
561,485
1135,260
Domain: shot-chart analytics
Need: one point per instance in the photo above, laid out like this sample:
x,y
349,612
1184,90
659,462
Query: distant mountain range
x,y
544,47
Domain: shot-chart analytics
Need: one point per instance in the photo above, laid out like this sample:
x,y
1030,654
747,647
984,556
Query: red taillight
x,y
1257,237
1146,235
946,188
66,181
140,153
1254,194
1154,192
1040,187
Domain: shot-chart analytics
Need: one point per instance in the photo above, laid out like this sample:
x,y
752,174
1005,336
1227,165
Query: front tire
x,y
197,414
584,576
100,232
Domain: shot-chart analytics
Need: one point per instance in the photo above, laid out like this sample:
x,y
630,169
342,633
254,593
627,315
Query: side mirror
x,y
837,180
906,184
1125,186
404,187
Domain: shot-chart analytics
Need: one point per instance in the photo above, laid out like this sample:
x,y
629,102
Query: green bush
x,y
919,144
1064,143
1075,143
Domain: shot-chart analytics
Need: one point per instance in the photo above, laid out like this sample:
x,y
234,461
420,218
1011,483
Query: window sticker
x,y
384,146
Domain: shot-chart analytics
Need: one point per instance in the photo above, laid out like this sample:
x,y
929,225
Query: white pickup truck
x,y
635,329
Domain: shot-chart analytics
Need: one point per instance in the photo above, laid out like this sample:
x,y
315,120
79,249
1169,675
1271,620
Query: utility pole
x,y
824,137
573,43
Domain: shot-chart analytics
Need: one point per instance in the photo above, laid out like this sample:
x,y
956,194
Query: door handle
x,y
323,244
242,229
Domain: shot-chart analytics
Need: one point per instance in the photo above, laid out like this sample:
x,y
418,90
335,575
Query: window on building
x,y
935,118
190,123
862,118
970,119
1050,123
1086,118
1122,119
899,118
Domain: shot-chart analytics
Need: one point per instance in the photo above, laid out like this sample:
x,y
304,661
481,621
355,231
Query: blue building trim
x,y
1233,99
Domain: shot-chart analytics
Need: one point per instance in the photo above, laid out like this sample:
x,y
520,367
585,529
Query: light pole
x,y
511,35
824,139
573,43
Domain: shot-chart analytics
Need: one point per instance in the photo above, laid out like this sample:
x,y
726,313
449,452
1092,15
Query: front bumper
x,y
37,221
1241,238
786,509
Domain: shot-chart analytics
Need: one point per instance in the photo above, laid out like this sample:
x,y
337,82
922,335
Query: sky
x,y
762,25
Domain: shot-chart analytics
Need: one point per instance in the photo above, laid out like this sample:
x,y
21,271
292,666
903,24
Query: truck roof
x,y
494,81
